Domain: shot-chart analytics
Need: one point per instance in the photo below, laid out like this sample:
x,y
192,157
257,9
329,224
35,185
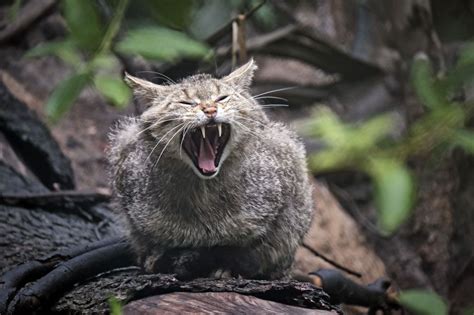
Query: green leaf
x,y
113,89
210,16
468,311
266,15
463,72
424,83
465,139
423,302
66,50
370,132
172,13
115,306
84,23
161,44
324,124
394,192
467,55
105,62
64,95
13,10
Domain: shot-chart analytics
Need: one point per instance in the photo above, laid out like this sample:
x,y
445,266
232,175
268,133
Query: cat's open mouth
x,y
205,145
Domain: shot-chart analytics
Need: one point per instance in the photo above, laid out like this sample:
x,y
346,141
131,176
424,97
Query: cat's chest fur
x,y
208,213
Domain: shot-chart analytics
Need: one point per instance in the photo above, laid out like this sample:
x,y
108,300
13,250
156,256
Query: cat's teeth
x,y
219,129
203,131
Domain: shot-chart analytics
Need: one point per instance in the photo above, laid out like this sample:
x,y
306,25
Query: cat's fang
x,y
219,128
203,131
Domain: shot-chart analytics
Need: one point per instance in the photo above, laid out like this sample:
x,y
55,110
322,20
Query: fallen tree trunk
x,y
131,285
211,303
71,201
32,142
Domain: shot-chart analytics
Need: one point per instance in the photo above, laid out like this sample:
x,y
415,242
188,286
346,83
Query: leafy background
x,y
168,31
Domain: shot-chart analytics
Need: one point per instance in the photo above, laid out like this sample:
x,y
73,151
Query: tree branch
x,y
46,290
68,199
296,42
32,270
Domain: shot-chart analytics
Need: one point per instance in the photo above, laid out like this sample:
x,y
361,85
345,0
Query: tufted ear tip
x,y
127,77
144,90
243,75
136,83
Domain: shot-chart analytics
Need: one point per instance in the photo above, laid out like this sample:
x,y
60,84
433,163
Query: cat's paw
x,y
151,262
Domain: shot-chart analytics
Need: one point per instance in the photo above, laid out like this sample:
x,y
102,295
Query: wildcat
x,y
208,184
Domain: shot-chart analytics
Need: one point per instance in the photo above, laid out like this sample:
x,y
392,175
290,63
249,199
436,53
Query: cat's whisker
x,y
245,99
166,145
264,105
159,141
250,119
145,129
162,75
276,90
164,117
251,132
274,105
155,124
167,81
186,130
246,128
270,97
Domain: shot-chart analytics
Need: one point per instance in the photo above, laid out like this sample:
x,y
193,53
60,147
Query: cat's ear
x,y
144,90
243,75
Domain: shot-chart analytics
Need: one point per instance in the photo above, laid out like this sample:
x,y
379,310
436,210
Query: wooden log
x,y
41,293
130,285
12,182
32,142
14,279
222,303
68,201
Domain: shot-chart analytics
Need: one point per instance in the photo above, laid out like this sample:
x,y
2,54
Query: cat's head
x,y
201,119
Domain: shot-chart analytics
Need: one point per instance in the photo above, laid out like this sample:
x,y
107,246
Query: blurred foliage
x,y
65,93
115,306
142,41
468,311
163,31
93,42
371,148
13,10
423,302
169,13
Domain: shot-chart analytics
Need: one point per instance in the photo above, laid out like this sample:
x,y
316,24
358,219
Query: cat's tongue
x,y
206,156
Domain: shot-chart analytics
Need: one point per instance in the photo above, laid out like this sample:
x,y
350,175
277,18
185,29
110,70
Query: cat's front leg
x,y
184,263
253,262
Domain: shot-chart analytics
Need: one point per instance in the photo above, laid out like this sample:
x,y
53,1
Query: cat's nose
x,y
210,110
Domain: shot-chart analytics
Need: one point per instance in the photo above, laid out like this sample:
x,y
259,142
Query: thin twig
x,y
217,35
235,46
242,42
332,262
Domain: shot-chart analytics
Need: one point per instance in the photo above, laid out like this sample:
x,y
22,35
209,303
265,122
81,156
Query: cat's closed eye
x,y
188,103
221,98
